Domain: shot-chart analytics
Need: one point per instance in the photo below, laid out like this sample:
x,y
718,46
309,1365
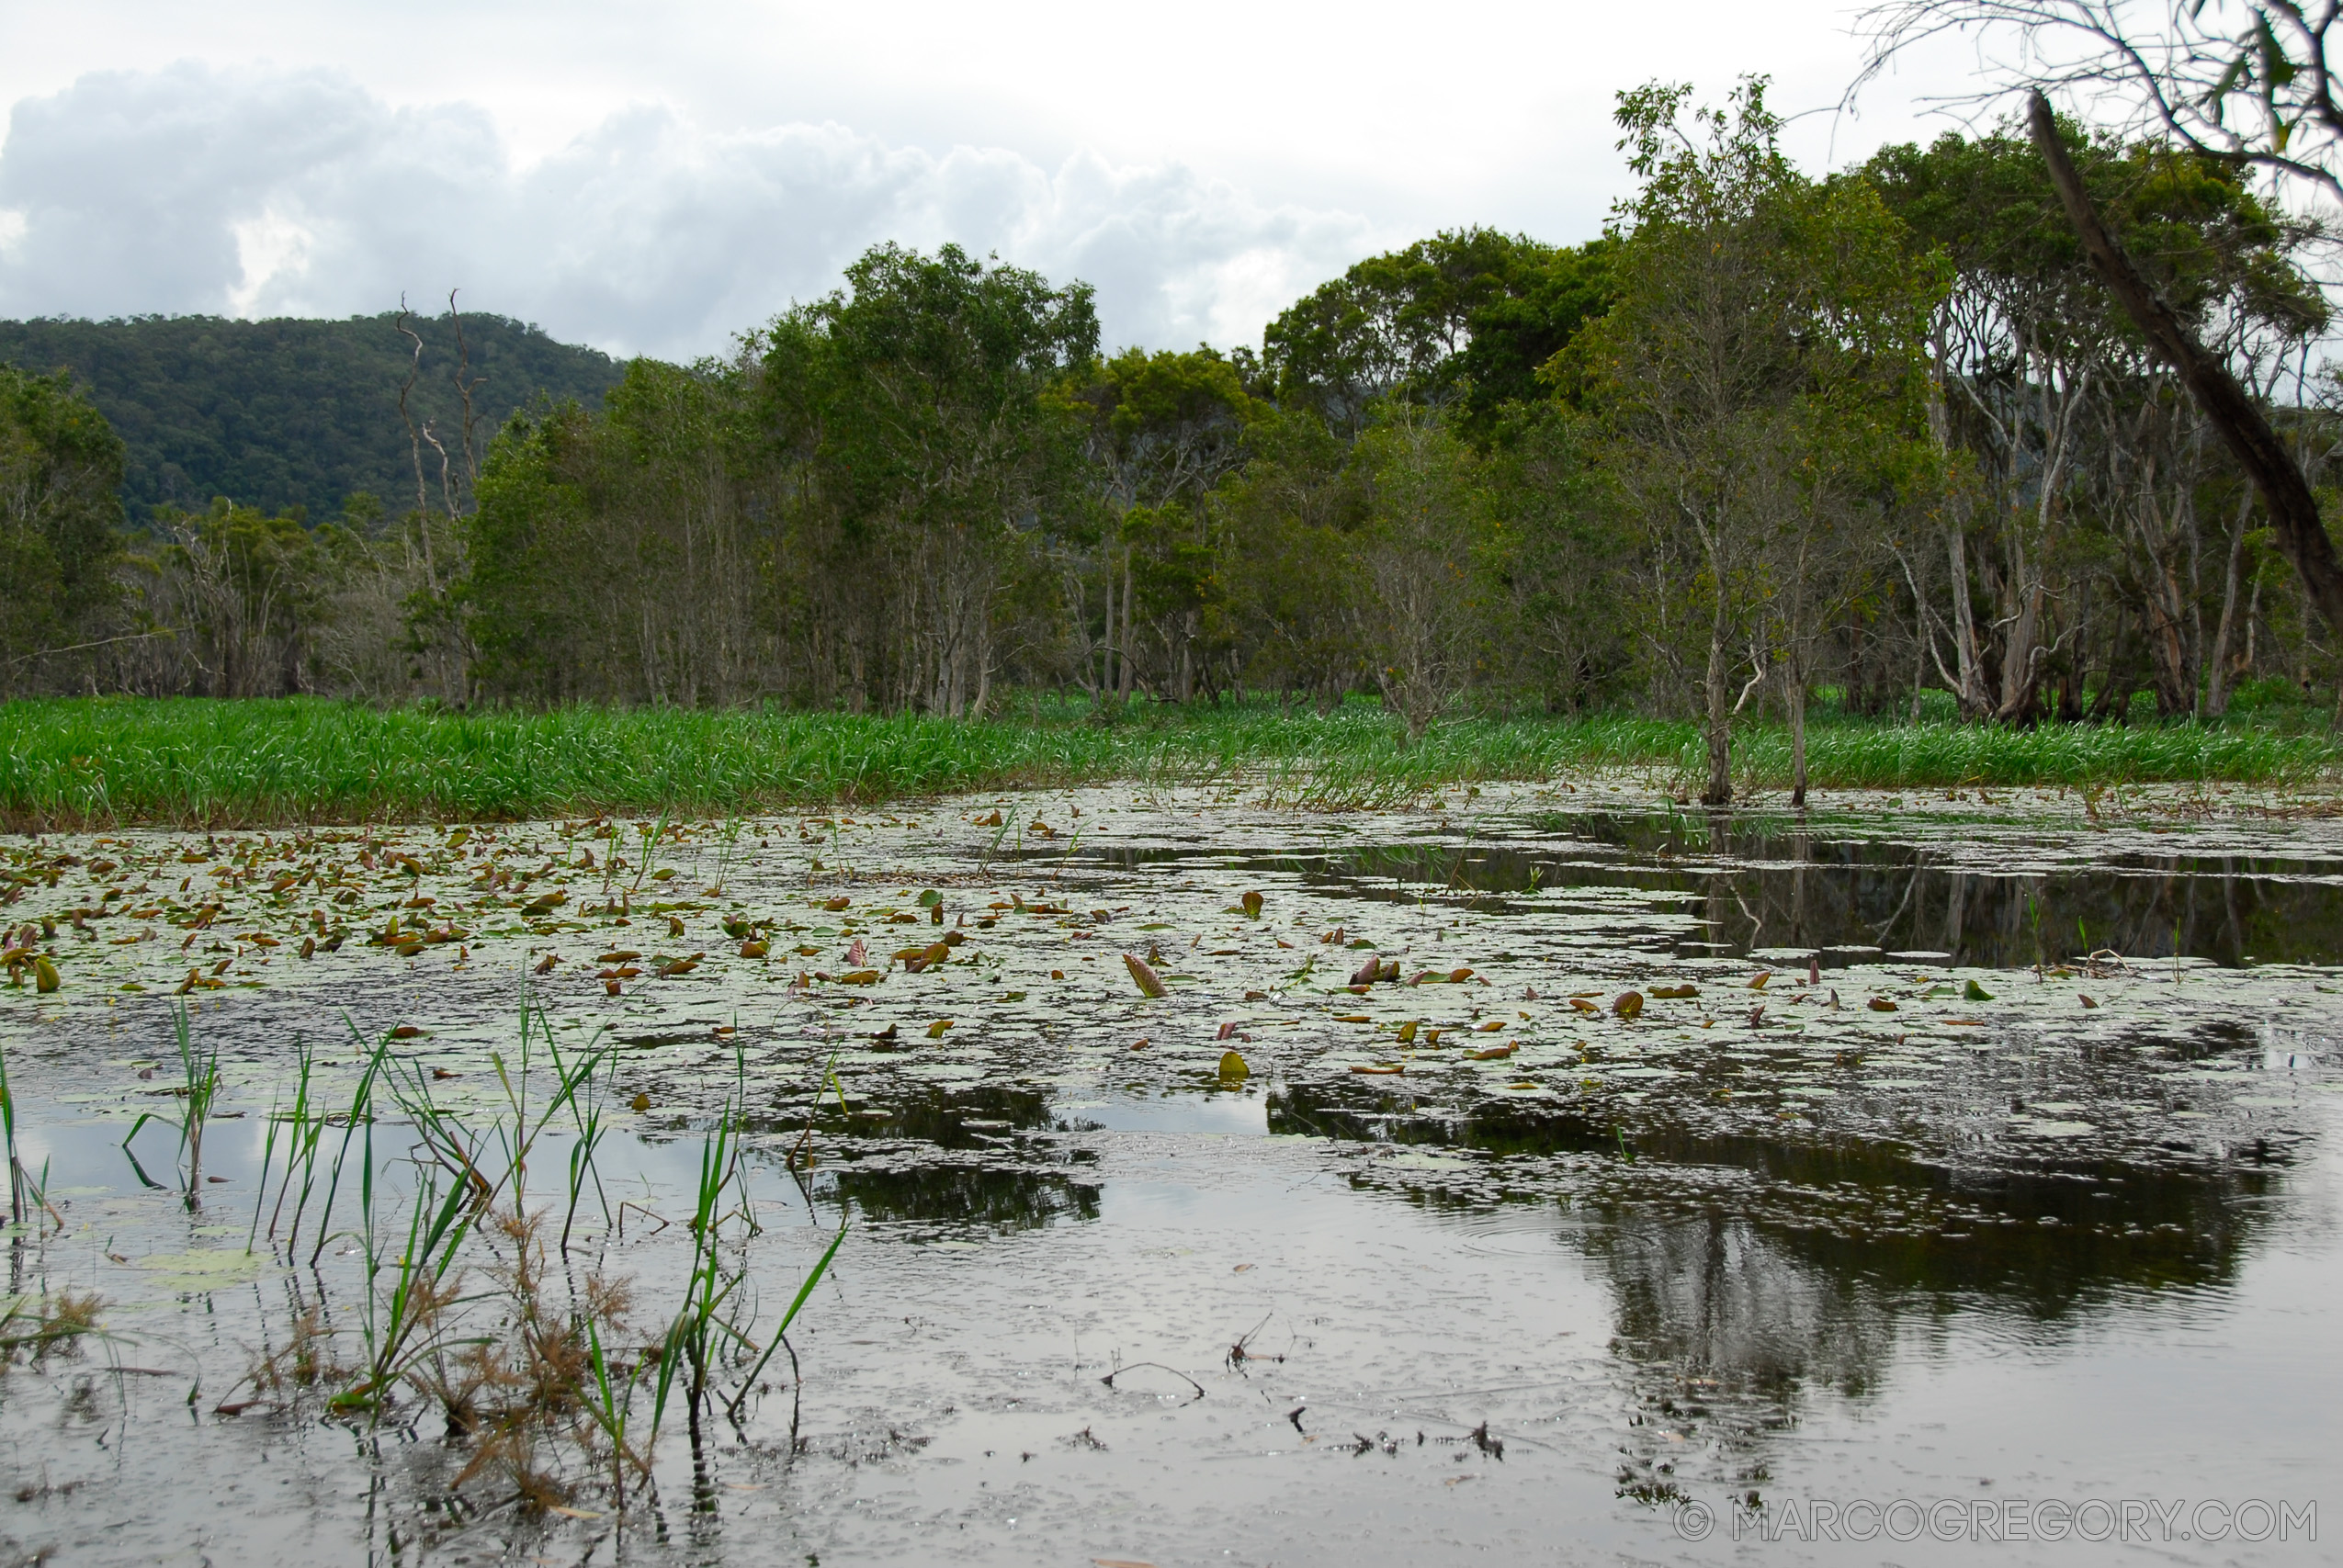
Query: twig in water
x,y
1109,1379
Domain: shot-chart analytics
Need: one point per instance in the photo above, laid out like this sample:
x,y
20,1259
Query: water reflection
x,y
963,1197
1775,882
1750,1280
2037,1240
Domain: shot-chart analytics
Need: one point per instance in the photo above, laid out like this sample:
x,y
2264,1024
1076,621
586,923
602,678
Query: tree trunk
x,y
2217,677
1106,685
1720,715
1975,703
1123,690
2020,671
2173,695
1795,690
1919,675
2253,620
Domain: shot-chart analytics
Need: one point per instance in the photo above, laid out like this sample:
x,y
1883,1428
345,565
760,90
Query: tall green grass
x,y
75,762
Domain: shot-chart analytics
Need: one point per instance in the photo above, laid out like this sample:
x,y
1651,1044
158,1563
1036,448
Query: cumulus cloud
x,y
196,189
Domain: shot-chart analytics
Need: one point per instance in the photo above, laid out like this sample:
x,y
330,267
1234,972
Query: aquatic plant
x,y
198,1091
527,1366
47,1324
82,762
26,1191
708,1323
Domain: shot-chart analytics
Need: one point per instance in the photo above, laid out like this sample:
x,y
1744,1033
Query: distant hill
x,y
285,414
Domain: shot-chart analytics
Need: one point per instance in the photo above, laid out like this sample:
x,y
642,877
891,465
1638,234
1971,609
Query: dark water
x,y
1764,888
1975,1262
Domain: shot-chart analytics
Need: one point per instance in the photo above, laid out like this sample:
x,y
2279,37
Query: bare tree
x,y
2245,81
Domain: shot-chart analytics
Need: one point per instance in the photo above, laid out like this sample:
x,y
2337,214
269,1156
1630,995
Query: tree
x,y
2083,474
2285,493
1550,296
2245,84
61,468
1285,528
1469,314
1160,431
913,400
1755,314
248,592
1423,557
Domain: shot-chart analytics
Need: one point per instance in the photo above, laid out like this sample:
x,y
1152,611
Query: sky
x,y
656,178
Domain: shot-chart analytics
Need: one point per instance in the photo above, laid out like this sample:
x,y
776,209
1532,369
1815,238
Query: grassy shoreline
x,y
73,763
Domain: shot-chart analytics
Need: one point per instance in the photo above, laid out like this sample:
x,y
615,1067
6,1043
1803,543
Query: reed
x,y
199,1093
27,1192
527,1370
300,1128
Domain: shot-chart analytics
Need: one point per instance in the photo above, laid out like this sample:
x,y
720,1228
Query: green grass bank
x,y
119,761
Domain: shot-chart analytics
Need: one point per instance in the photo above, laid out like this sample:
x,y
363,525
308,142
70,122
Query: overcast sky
x,y
652,178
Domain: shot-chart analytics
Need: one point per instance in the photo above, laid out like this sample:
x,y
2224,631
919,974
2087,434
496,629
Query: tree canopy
x,y
1768,434
288,413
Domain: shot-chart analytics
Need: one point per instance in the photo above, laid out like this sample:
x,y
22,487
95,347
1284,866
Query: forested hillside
x,y
291,414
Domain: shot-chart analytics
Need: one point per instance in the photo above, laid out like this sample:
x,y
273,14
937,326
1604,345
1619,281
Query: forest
x,y
1880,433
287,415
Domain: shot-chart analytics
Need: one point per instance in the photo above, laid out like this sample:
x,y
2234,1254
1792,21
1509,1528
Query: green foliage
x,y
1767,433
76,763
1430,512
1469,313
1758,378
915,391
2203,235
607,557
284,415
1515,335
60,468
1162,426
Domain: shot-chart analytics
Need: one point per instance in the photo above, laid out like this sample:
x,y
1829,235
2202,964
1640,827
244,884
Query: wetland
x,y
1163,1177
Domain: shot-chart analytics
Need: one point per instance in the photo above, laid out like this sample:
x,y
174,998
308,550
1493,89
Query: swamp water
x,y
1457,1262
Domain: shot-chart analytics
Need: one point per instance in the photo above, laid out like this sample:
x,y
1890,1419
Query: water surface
x,y
1744,1252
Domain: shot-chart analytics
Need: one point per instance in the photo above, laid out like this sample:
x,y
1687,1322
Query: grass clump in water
x,y
463,1310
42,1326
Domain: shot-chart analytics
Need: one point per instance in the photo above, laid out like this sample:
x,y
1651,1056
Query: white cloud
x,y
254,192
269,247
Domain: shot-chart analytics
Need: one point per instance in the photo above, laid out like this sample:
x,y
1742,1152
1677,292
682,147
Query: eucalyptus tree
x,y
2243,84
1755,315
2085,466
618,555
1427,616
1468,317
1160,430
909,409
249,594
1292,592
